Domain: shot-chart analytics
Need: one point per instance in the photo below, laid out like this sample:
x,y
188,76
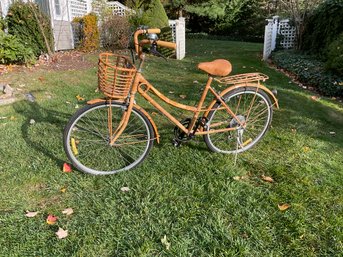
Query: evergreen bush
x,y
155,16
149,12
22,22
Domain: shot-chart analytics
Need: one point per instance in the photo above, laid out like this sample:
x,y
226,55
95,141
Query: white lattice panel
x,y
118,8
172,25
78,8
288,33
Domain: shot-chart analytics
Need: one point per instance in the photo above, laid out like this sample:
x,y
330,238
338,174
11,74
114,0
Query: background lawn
x,y
187,194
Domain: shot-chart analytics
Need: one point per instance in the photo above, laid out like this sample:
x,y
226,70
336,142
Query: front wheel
x,y
252,107
87,139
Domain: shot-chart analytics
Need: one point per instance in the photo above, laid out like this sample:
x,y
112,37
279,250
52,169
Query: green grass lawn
x,y
187,194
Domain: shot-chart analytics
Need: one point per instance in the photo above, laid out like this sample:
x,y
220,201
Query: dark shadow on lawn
x,y
32,111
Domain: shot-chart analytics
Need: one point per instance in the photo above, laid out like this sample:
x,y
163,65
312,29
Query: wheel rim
x,y
89,135
257,122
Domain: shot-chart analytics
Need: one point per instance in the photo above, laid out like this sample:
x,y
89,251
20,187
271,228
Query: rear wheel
x,y
87,139
251,107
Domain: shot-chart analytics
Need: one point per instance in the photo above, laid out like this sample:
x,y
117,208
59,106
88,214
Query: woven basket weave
x,y
115,75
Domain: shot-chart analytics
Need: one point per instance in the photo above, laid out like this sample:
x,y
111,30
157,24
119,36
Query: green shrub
x,y
335,55
310,71
13,51
22,22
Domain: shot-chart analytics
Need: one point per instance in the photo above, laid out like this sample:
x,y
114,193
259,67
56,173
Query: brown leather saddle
x,y
218,67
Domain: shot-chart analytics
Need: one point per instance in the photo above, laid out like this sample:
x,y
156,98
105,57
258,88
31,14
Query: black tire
x,y
89,131
257,123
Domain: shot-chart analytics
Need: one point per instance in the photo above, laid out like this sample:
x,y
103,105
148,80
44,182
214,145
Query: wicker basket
x,y
115,75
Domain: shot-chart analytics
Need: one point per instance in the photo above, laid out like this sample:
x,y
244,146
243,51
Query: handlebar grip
x,y
153,31
166,44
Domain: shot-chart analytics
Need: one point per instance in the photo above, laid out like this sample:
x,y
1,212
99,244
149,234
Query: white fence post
x,y
267,46
180,38
275,31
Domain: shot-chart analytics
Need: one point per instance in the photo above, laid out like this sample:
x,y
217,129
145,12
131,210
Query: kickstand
x,y
236,154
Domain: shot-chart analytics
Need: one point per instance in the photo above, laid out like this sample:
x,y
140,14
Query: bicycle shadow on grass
x,y
42,129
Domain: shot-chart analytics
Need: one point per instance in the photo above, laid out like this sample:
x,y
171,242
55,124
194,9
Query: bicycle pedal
x,y
176,143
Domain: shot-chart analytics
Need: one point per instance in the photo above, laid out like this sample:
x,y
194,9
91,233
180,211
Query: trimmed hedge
x,y
310,71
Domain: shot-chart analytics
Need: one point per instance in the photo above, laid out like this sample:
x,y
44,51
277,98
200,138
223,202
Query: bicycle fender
x,y
151,121
255,85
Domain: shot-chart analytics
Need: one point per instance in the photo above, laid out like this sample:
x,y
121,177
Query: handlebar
x,y
139,44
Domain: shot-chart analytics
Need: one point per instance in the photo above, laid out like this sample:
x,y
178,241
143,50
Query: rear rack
x,y
242,78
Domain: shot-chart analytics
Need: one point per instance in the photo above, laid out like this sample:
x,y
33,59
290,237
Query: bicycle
x,y
114,134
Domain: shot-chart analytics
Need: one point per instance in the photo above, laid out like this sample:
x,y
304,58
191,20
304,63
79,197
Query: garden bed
x,y
309,71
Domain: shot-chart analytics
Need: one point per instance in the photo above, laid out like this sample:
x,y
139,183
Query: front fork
x,y
122,124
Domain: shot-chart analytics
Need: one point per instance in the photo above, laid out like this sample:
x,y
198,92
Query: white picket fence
x,y
274,28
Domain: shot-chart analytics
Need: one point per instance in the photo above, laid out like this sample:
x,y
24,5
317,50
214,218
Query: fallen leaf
x,y
240,177
165,242
294,130
41,79
61,233
125,189
306,149
314,98
267,179
32,121
51,219
183,96
63,189
67,167
171,92
73,146
80,98
68,211
31,214
77,106
196,82
332,133
283,207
